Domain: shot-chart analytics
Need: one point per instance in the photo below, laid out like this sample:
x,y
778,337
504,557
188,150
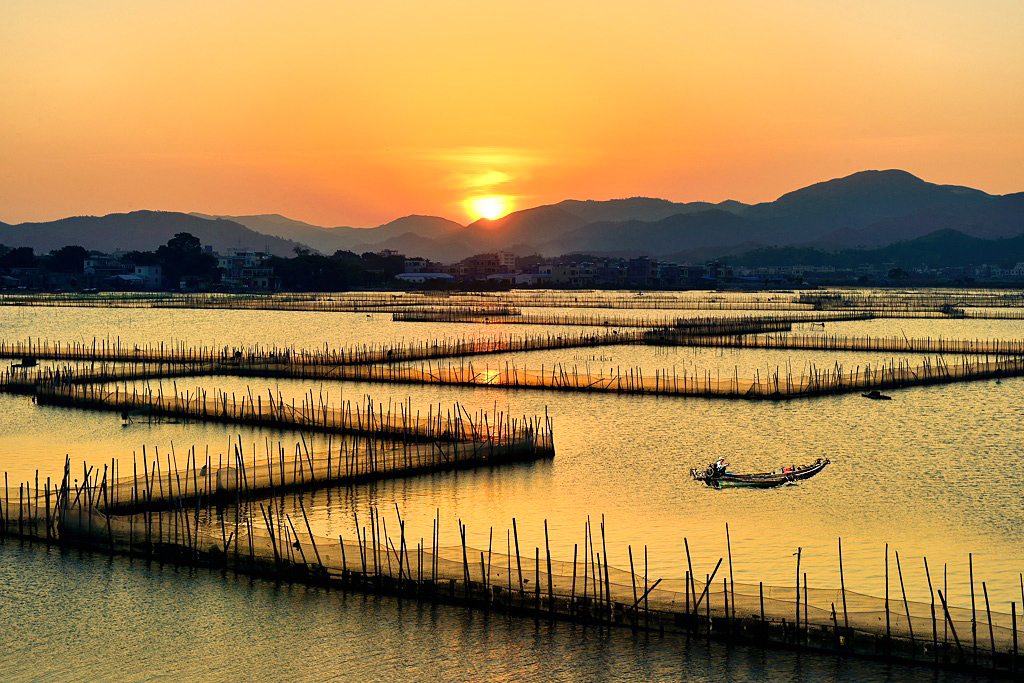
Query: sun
x,y
487,207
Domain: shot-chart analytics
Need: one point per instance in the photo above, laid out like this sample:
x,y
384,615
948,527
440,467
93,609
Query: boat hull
x,y
764,480
735,482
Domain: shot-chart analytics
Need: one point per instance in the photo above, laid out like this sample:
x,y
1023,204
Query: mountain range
x,y
139,231
940,249
867,209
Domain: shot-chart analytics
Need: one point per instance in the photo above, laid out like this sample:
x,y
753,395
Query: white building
x,y
152,276
245,269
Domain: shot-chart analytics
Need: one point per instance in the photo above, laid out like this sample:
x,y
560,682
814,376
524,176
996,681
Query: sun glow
x,y
488,207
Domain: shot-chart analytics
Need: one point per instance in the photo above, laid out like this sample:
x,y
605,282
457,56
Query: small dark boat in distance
x,y
718,478
876,395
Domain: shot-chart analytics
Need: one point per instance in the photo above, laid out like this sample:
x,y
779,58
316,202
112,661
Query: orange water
x,y
935,472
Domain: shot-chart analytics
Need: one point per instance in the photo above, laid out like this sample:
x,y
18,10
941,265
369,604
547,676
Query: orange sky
x,y
355,113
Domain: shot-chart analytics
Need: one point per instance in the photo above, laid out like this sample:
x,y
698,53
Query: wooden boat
x,y
763,480
876,395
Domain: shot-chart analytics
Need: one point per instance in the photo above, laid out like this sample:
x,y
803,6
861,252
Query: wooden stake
x,y
842,585
906,605
991,635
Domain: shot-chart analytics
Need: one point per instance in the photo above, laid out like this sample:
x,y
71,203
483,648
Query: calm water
x,y
73,618
935,472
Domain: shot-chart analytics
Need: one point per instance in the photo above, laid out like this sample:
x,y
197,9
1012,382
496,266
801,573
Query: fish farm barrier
x,y
835,342
105,351
157,484
267,302
712,324
116,362
934,299
777,385
394,421
90,389
924,299
261,538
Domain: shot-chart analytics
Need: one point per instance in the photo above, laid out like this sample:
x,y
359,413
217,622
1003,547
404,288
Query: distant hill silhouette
x,y
940,249
138,230
528,226
869,208
865,209
681,231
856,202
277,225
430,227
994,216
640,208
328,240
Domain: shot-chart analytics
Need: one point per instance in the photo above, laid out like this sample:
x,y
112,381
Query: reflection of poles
x,y
586,567
906,606
888,631
935,628
732,586
632,576
1013,614
842,585
798,552
952,628
519,566
547,552
692,588
991,635
974,615
602,576
806,620
572,591
646,591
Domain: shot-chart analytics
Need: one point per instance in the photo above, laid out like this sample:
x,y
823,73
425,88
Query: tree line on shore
x,y
183,256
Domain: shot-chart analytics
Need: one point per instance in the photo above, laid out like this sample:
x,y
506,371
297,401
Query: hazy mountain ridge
x,y
999,216
329,240
277,225
640,208
869,208
865,209
939,249
139,231
674,233
856,202
526,226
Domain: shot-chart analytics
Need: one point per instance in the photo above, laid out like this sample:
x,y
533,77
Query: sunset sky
x,y
355,113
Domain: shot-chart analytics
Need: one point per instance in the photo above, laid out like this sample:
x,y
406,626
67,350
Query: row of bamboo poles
x,y
725,324
181,352
836,342
777,384
885,298
265,302
162,485
128,364
773,385
314,413
652,301
922,298
695,299
268,541
82,389
156,361
799,315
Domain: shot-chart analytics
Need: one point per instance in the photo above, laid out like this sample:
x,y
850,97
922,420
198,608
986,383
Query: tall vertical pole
x,y
842,585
